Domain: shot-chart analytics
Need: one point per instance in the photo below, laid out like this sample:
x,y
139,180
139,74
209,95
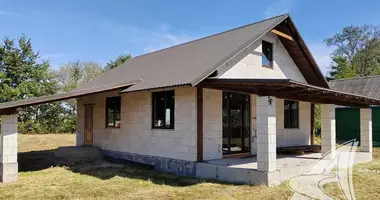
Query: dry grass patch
x,y
140,182
366,178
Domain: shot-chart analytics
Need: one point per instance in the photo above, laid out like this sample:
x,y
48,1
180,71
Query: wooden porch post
x,y
312,120
199,124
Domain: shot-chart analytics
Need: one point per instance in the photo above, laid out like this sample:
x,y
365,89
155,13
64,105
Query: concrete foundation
x,y
175,166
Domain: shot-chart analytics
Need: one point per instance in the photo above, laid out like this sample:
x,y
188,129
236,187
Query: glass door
x,y
236,123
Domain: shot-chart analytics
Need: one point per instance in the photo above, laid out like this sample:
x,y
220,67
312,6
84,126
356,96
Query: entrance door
x,y
236,123
88,124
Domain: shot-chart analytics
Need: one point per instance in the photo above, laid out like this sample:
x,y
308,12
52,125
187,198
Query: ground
x,y
38,180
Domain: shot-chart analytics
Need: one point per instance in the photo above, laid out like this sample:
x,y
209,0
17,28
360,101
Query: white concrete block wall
x,y
212,124
136,134
266,133
8,148
248,64
293,136
253,125
366,129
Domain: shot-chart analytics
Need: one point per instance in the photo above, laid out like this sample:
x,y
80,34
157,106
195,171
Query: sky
x,y
99,31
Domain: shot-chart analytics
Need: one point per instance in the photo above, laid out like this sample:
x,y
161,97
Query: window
x,y
163,109
291,114
267,58
113,112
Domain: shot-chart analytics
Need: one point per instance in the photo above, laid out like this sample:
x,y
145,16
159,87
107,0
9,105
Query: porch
x,y
244,170
266,166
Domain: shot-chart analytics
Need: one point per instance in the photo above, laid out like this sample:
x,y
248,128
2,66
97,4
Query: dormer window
x,y
267,57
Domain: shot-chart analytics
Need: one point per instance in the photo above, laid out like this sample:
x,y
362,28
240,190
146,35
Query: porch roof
x,y
10,107
290,89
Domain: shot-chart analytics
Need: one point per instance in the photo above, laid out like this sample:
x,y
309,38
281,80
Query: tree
x,y
69,77
23,76
356,51
119,60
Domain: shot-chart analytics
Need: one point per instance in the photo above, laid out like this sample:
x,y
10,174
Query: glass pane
x,y
110,117
169,111
287,114
294,114
225,122
267,53
158,109
236,117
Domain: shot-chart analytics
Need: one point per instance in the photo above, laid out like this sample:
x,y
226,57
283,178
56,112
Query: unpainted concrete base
x,y
8,172
237,175
175,166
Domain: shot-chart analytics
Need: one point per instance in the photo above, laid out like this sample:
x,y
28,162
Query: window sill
x,y
111,127
157,128
267,66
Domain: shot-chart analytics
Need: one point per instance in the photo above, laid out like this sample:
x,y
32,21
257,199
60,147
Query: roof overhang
x,y
290,89
10,107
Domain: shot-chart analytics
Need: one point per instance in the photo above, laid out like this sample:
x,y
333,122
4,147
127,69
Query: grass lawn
x,y
138,182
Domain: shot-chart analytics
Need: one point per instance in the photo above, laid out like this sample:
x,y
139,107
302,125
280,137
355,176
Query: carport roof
x,y
290,89
9,107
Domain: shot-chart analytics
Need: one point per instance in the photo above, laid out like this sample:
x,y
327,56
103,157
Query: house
x,y
240,93
348,118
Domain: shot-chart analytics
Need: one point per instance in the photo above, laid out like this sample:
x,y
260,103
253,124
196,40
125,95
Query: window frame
x,y
263,55
171,127
291,115
114,108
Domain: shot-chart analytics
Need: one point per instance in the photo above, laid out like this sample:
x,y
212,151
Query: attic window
x,y
267,57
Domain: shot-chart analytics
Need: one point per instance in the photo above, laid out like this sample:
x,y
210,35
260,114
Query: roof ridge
x,y
216,34
352,78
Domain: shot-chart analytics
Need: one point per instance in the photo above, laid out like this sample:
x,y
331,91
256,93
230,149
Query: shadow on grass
x,y
40,160
36,160
140,172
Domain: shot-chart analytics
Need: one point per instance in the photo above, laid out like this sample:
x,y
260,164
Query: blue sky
x,y
94,30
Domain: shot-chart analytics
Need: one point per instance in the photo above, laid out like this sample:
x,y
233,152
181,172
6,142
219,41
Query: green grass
x,y
136,181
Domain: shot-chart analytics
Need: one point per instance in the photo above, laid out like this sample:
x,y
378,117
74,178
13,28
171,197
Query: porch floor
x,y
288,165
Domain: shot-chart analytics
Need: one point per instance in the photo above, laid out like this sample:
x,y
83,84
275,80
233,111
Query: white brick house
x,y
243,92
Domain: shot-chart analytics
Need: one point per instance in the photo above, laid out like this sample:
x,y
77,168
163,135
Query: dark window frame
x,y
263,45
291,117
167,105
111,102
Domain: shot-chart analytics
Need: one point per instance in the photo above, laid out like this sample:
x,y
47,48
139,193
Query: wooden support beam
x,y
312,120
199,124
281,34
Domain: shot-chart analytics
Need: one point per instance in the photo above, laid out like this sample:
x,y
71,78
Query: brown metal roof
x,y
367,86
191,62
290,89
68,95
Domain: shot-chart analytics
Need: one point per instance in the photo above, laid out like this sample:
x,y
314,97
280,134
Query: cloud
x,y
7,13
167,39
146,39
321,54
279,7
56,55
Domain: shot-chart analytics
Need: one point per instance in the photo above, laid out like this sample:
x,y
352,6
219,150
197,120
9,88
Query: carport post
x,y
366,129
328,131
8,148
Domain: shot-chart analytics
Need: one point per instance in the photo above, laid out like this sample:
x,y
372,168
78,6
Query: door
x,y
236,123
88,124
